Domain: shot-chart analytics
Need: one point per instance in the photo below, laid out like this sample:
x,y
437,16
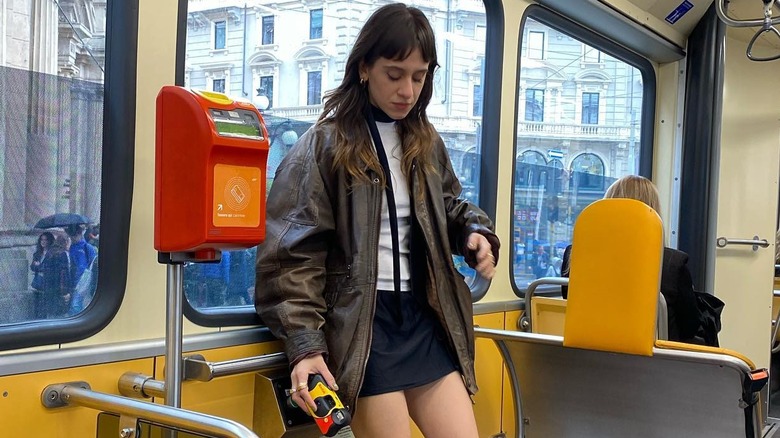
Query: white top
x,y
392,144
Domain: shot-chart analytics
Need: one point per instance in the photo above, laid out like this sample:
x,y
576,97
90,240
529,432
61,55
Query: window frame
x,y
311,23
265,27
590,106
269,92
532,101
606,46
216,81
477,102
598,59
488,176
313,98
216,36
542,49
119,109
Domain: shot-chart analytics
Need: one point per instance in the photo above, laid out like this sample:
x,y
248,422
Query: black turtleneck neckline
x,y
380,116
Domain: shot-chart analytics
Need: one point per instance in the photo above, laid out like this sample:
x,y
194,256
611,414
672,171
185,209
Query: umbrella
x,y
61,220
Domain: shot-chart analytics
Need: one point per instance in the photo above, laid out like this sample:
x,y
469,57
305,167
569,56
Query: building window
x,y
219,35
268,30
218,85
590,108
267,89
588,171
480,33
476,109
534,105
315,24
314,88
535,44
591,55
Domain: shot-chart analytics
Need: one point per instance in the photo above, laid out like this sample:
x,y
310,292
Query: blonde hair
x,y
636,187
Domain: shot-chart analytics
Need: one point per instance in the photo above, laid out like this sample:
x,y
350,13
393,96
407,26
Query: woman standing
x,y
57,278
45,240
356,274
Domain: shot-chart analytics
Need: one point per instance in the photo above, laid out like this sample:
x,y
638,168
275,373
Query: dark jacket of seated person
x,y
677,289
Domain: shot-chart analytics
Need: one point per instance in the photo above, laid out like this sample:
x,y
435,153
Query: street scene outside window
x,y
52,58
285,72
579,114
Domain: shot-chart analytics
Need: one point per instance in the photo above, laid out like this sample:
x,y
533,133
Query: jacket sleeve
x,y
463,217
39,267
290,271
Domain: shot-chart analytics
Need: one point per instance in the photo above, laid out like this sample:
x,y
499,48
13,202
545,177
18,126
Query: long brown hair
x,y
393,32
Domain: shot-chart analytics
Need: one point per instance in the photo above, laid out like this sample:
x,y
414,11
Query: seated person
x,y
676,281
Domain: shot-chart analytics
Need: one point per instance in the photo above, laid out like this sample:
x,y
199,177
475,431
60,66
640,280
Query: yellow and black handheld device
x,y
331,416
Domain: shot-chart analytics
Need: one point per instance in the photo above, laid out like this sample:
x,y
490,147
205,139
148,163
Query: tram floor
x,y
774,406
771,428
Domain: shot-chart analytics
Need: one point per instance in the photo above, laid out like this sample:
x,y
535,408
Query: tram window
x,y
286,77
581,113
48,170
52,153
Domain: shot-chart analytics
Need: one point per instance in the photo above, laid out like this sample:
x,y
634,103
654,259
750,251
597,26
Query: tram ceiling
x,y
753,21
661,13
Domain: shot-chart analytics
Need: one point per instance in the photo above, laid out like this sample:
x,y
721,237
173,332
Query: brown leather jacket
x,y
317,269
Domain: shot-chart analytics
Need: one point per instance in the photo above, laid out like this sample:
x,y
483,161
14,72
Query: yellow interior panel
x,y
488,366
548,315
617,251
20,400
507,404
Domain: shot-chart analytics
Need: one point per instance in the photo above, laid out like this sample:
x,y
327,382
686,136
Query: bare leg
x,y
382,416
443,409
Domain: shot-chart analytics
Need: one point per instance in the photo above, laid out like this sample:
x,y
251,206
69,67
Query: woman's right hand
x,y
300,378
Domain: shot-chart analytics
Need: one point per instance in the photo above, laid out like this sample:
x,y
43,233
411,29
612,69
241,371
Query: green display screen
x,y
237,123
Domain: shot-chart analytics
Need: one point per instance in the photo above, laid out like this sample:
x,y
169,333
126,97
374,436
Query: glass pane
x,y
287,80
315,27
219,35
268,30
579,118
51,144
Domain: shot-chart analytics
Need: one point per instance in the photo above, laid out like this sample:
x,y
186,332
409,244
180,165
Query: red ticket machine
x,y
211,154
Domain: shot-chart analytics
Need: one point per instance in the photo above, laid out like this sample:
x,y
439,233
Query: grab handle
x,y
755,242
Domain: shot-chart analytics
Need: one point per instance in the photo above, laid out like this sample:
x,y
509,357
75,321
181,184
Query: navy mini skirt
x,y
406,355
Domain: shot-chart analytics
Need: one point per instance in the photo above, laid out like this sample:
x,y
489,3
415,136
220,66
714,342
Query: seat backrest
x,y
578,393
615,276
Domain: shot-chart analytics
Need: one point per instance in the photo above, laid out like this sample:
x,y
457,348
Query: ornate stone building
x,y
52,56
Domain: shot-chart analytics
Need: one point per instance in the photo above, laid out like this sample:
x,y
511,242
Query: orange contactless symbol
x,y
236,196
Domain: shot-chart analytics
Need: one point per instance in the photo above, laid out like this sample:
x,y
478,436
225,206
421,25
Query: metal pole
x,y
173,335
73,395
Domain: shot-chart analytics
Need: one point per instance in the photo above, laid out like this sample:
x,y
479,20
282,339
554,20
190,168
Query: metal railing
x,y
525,323
130,411
198,369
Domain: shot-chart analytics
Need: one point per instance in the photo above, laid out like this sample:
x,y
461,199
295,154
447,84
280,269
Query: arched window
x,y
529,166
588,170
532,157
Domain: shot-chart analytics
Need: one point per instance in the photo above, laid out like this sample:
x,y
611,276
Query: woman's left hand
x,y
483,252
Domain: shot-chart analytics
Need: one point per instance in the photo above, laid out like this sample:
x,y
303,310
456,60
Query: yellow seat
x,y
615,277
681,346
548,315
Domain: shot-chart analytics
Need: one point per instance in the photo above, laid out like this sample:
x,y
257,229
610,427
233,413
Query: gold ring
x,y
292,391
302,385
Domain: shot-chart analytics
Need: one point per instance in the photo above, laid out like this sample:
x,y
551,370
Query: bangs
x,y
411,31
